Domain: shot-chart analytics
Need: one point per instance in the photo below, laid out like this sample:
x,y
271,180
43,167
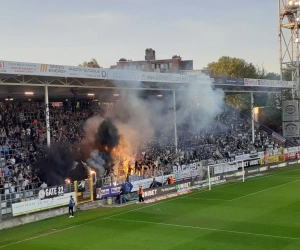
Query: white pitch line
x,y
264,190
205,199
154,204
209,229
89,222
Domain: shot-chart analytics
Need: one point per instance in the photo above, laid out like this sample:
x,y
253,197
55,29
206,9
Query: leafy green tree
x,y
233,67
93,63
239,68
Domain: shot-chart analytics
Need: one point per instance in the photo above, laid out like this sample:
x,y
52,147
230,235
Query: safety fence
x,y
185,177
33,200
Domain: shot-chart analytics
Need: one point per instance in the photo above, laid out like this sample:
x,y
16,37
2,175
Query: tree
x,y
233,67
239,68
93,63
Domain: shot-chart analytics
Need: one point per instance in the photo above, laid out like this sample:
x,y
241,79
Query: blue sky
x,y
71,31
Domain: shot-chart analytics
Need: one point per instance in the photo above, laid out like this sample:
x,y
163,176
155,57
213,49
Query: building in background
x,y
151,64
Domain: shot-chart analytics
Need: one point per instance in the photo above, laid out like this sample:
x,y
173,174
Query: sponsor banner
x,y
268,83
23,68
290,118
32,206
211,162
227,81
109,191
242,157
292,163
199,181
153,192
282,165
250,163
291,150
291,156
273,166
290,111
249,156
51,192
18,68
224,168
187,175
167,196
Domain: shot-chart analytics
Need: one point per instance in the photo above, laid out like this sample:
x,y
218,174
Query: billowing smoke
x,y
96,160
99,143
142,116
199,104
145,115
54,163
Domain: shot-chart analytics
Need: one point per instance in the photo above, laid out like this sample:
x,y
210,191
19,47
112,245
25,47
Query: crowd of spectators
x,y
23,132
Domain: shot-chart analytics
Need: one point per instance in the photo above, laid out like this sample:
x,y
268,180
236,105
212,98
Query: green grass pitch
x,y
261,213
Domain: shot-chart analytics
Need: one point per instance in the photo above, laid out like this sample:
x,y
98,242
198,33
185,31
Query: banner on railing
x,y
84,191
166,189
37,205
110,191
269,159
291,153
145,183
224,168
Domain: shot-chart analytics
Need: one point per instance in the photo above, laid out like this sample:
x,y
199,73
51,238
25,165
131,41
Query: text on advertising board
x,y
51,192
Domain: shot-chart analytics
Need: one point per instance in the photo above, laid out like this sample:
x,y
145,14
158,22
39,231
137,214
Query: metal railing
x,y
7,198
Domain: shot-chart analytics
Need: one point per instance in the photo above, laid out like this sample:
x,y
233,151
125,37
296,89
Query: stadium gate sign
x,y
37,205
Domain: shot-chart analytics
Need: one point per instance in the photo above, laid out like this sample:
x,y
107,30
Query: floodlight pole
x,y
252,116
175,121
47,114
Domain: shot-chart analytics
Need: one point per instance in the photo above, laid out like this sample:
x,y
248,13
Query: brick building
x,y
150,64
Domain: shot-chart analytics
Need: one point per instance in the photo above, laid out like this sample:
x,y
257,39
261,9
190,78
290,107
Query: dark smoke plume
x,y
98,145
107,137
54,163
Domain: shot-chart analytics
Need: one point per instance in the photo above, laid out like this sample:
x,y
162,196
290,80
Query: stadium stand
x,y
23,133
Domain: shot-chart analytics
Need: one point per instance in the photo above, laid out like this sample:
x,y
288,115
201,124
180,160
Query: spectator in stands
x,y
35,181
44,185
2,186
12,188
153,184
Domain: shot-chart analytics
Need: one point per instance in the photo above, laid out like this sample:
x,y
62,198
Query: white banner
x,y
290,129
269,83
290,111
291,150
290,118
37,69
39,205
224,168
185,168
145,183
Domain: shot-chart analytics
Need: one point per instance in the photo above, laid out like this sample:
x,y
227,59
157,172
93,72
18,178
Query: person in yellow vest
x,y
141,191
